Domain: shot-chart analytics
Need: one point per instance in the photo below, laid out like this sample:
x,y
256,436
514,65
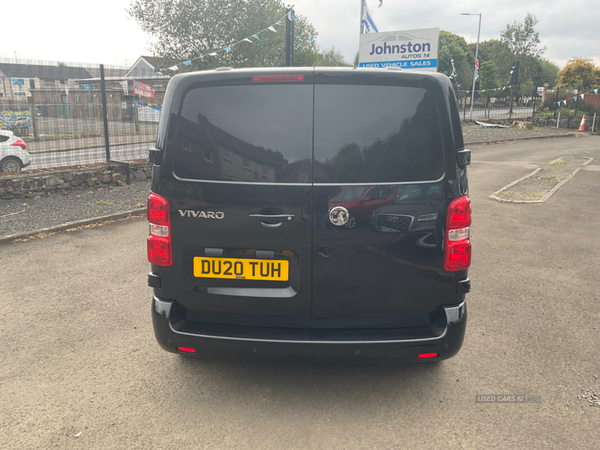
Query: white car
x,y
13,154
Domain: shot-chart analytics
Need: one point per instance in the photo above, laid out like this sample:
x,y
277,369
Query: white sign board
x,y
540,90
407,49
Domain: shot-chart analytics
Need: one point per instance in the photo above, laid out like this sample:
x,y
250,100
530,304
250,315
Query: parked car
x,y
361,202
13,152
238,273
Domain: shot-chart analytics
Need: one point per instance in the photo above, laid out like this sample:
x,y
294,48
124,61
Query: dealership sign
x,y
143,90
408,49
15,119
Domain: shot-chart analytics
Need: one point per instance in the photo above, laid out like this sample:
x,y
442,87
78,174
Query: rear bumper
x,y
394,349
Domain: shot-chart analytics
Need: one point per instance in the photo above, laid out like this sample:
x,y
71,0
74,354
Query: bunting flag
x,y
582,96
453,69
367,20
595,91
380,3
313,40
290,15
476,69
87,87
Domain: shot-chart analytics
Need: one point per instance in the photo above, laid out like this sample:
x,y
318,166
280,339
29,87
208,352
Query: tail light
x,y
19,143
160,251
457,255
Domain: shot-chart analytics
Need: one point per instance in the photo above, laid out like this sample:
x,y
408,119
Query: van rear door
x,y
380,145
237,174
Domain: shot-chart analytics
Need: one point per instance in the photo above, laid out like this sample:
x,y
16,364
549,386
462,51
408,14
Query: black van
x,y
310,212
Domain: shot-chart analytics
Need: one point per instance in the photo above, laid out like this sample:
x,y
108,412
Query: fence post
x,y
104,112
558,121
33,121
594,122
533,112
465,110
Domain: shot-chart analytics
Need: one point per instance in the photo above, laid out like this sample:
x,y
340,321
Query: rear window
x,y
369,134
253,133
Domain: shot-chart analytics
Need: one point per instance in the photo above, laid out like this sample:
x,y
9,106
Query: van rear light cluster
x,y
457,255
160,251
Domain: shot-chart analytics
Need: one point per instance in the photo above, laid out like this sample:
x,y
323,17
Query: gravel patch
x,y
473,133
22,215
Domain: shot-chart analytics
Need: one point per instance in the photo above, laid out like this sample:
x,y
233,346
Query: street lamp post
x,y
476,56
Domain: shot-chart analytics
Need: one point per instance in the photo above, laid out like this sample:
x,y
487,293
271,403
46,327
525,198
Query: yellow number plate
x,y
242,269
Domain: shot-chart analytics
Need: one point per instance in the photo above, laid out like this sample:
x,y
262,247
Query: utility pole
x,y
476,56
289,37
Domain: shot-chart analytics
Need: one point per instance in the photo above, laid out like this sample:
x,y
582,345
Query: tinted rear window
x,y
376,134
255,133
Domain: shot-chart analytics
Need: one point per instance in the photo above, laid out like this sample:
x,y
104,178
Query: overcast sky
x,y
73,31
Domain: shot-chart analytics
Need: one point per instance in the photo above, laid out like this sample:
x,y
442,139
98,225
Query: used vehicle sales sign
x,y
408,49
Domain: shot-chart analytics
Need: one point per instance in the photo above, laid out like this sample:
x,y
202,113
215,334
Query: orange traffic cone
x,y
582,124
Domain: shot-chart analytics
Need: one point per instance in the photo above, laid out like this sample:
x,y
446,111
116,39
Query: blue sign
x,y
420,64
408,49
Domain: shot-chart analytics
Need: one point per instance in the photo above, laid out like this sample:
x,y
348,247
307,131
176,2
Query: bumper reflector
x,y
186,349
427,355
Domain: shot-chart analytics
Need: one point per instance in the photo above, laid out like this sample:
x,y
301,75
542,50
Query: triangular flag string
x,y
313,40
227,49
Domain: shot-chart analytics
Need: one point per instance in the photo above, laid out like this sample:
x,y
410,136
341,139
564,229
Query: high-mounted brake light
x,y
160,251
19,143
427,355
276,78
457,254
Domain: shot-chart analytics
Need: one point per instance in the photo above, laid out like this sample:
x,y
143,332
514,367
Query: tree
x,y
331,57
522,39
549,73
454,47
190,30
579,73
488,76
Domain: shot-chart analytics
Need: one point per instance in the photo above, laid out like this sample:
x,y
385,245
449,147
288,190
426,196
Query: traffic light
x,y
514,74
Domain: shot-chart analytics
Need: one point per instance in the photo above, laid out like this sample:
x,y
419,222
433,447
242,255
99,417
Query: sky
x,y
64,30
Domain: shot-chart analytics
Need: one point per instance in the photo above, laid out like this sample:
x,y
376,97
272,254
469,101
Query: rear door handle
x,y
272,220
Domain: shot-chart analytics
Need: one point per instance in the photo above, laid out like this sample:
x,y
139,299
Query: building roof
x,y
40,71
146,65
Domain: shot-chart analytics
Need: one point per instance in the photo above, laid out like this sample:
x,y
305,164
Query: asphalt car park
x,y
81,368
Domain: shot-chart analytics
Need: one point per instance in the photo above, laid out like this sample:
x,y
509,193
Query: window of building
x,y
265,171
48,99
61,81
31,84
55,99
208,155
48,82
77,99
226,154
246,163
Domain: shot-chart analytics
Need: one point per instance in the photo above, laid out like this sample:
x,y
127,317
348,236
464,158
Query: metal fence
x,y
90,124
496,106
